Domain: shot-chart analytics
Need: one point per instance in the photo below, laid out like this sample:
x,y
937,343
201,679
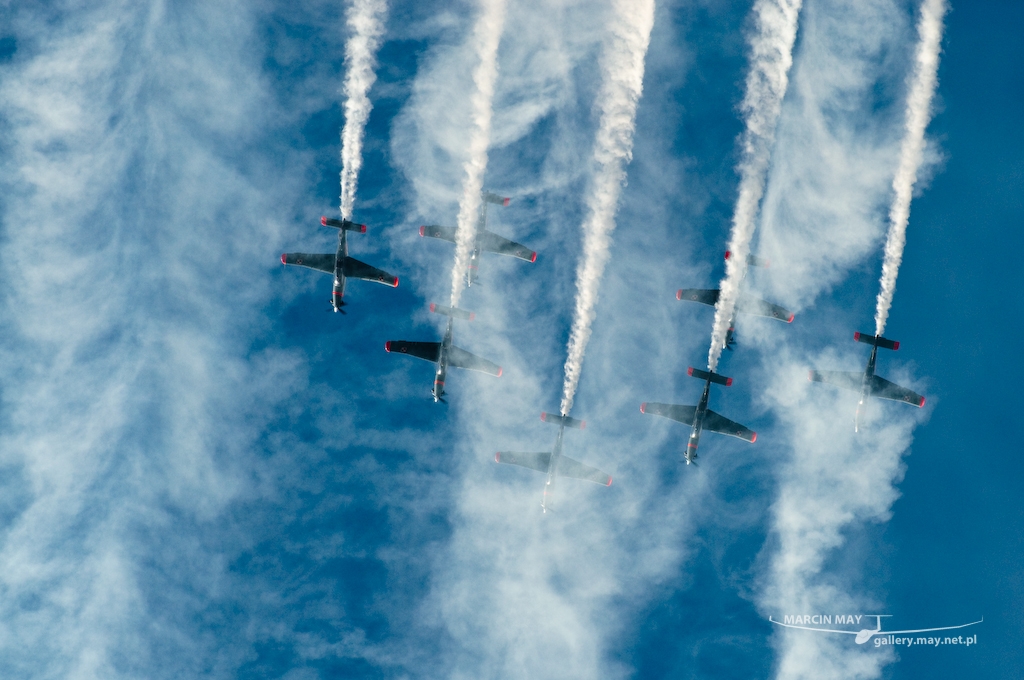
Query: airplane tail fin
x,y
704,375
878,340
495,198
453,312
342,224
563,420
752,260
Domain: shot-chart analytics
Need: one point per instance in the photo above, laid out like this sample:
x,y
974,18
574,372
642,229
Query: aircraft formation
x,y
699,418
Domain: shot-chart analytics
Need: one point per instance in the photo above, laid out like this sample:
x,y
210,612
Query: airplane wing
x,y
324,262
437,231
534,461
701,295
460,358
567,467
430,351
683,414
844,379
722,425
883,389
354,269
492,243
752,305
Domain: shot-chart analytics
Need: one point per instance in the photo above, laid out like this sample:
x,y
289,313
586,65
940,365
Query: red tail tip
x,y
689,371
790,319
284,258
422,229
896,345
533,258
728,382
753,438
433,306
856,336
362,228
497,457
396,282
323,220
921,403
679,294
728,254
499,371
609,481
643,407
505,202
387,346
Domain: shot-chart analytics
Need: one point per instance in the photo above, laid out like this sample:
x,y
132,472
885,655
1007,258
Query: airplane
x,y
483,240
700,417
866,634
867,383
553,463
746,304
340,264
444,353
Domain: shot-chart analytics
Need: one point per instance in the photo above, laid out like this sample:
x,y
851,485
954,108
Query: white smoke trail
x,y
365,19
486,37
623,66
771,56
919,109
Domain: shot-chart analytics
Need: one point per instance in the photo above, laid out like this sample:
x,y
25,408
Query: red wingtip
x,y
284,258
896,345
505,202
497,457
728,254
362,228
767,264
609,481
754,438
810,376
643,407
387,346
433,306
921,402
499,371
323,220
544,416
472,315
533,258
396,282
422,229
728,382
679,294
790,319
689,371
583,424
856,336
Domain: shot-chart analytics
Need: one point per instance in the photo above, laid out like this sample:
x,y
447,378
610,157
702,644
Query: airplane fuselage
x,y
442,364
869,373
338,294
698,424
549,486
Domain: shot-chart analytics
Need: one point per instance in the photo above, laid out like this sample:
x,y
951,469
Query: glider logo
x,y
865,634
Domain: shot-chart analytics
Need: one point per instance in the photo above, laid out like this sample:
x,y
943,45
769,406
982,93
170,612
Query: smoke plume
x,y
771,56
919,109
366,23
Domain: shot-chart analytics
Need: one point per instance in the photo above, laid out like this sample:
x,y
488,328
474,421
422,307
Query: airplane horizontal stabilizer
x,y
453,312
494,198
492,243
563,420
701,295
845,379
460,358
752,260
567,467
428,351
722,425
437,231
321,262
883,389
534,461
354,269
677,412
704,375
876,340
347,225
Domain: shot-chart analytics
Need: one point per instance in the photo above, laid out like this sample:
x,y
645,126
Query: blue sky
x,y
205,473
